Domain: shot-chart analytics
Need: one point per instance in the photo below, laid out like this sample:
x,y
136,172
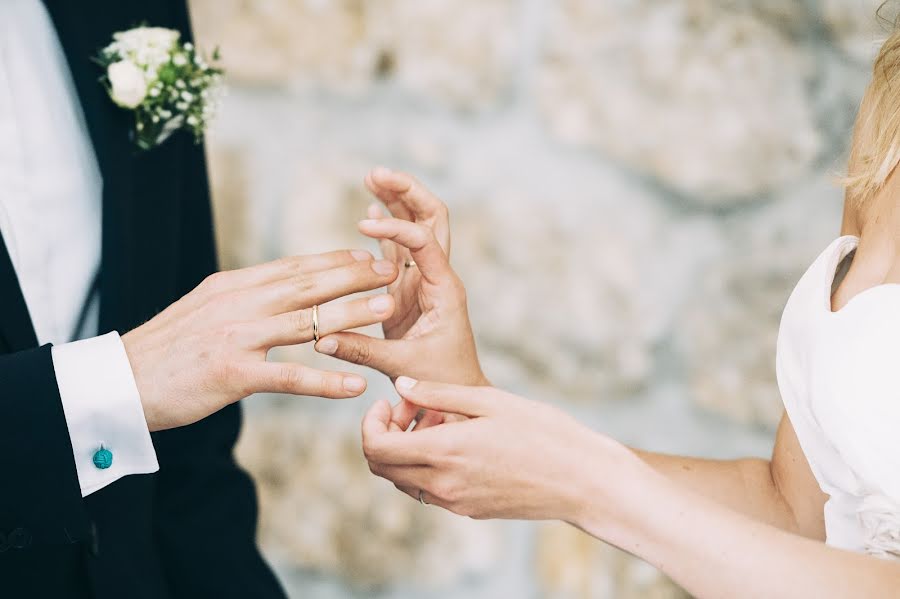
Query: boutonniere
x,y
167,84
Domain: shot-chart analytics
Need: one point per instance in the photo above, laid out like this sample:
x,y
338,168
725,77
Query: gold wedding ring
x,y
409,263
315,319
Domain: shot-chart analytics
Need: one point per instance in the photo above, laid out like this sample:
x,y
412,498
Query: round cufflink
x,y
103,458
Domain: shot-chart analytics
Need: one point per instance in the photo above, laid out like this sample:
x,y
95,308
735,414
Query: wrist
x,y
131,343
609,497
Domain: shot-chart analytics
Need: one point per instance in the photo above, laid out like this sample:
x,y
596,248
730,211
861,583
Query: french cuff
x,y
103,411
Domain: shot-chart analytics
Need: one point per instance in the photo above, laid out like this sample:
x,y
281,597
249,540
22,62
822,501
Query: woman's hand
x,y
429,335
514,458
510,458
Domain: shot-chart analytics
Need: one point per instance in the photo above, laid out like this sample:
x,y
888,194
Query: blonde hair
x,y
875,150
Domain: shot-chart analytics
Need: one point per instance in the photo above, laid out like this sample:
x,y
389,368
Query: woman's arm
x,y
713,551
781,492
515,458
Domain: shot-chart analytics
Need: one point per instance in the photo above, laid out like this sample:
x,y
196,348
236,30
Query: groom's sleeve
x,y
40,502
103,410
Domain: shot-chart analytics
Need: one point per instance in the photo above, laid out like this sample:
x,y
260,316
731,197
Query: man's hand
x,y
429,335
208,349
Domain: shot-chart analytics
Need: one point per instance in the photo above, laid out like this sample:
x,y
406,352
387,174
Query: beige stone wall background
x,y
635,186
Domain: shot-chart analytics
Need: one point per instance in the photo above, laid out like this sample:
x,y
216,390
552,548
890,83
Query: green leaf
x,y
168,74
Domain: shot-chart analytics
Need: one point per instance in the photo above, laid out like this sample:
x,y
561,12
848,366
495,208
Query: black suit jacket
x,y
188,530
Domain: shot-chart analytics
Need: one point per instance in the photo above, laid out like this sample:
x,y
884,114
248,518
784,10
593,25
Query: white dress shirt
x,y
50,213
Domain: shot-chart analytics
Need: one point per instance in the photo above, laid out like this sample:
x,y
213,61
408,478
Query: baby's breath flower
x,y
167,84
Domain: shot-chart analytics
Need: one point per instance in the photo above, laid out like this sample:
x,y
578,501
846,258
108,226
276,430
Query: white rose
x,y
127,81
140,37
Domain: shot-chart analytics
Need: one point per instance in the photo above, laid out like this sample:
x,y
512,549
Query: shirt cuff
x,y
103,408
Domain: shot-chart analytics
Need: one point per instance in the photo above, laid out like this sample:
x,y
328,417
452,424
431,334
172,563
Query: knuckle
x,y
380,470
229,335
291,379
358,354
301,321
452,451
423,236
446,490
461,508
224,370
458,289
370,450
333,386
213,282
303,283
234,376
283,262
226,340
408,180
288,265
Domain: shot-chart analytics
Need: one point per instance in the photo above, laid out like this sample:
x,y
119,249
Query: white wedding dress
x,y
839,376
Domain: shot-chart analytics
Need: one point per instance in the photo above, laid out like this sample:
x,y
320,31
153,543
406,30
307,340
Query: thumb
x,y
388,356
456,399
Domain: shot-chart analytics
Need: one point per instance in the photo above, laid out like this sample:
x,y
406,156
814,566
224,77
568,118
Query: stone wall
x,y
635,186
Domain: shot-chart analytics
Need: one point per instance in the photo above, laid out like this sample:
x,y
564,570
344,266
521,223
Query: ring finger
x,y
292,328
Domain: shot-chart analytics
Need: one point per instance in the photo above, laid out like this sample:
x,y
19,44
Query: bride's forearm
x,y
744,485
713,551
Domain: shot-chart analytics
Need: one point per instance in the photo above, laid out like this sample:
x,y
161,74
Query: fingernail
x,y
404,383
361,255
383,267
380,304
381,171
368,222
327,346
354,385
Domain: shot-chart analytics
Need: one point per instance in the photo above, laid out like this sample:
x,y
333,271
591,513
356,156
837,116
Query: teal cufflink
x,y
103,458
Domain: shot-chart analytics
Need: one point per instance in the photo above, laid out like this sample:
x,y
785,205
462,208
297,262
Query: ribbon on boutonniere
x,y
168,85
